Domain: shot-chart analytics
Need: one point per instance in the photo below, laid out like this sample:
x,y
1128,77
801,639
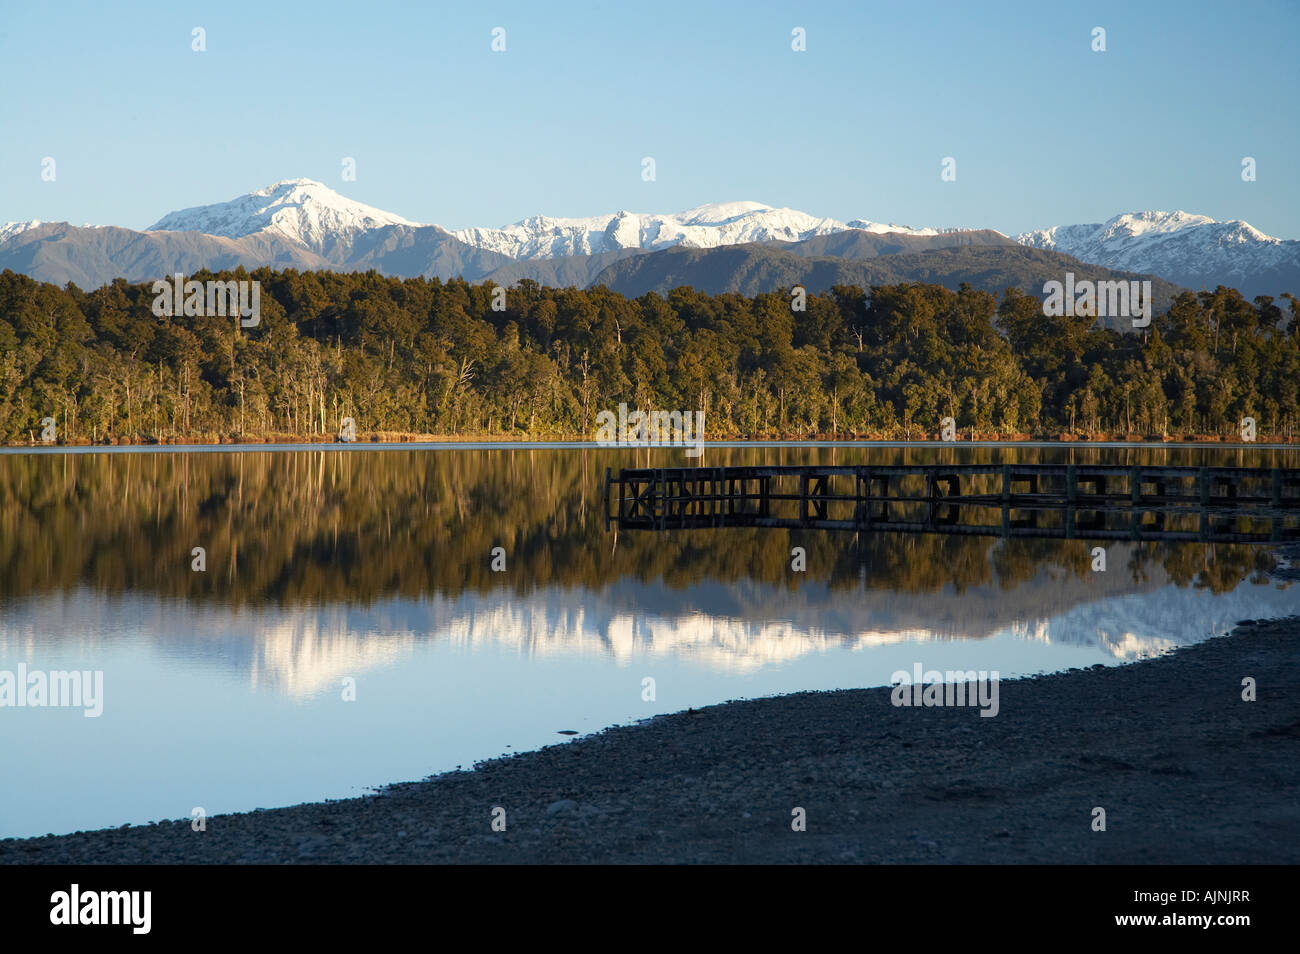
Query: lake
x,y
348,629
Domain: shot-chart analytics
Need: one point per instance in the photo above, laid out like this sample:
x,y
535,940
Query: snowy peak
x,y
1189,249
717,212
1133,229
10,229
880,228
1155,223
705,226
302,210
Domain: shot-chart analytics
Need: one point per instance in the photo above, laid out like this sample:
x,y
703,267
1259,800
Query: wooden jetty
x,y
1103,502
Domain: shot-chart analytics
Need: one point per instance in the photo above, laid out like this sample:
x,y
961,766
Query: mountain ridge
x,y
303,223
1191,250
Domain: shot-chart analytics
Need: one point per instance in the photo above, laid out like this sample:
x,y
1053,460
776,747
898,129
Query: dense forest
x,y
427,357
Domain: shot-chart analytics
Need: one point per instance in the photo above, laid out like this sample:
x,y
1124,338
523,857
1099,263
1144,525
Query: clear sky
x,y
444,130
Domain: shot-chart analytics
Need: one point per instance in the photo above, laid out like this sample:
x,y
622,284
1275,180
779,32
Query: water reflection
x,y
304,650
320,563
321,527
222,688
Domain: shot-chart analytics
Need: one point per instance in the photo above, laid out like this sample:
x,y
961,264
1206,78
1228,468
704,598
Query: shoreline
x,y
1187,771
491,443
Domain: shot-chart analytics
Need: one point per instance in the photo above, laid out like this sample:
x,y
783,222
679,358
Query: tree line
x,y
419,356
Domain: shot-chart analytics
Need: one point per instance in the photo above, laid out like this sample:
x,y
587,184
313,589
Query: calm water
x,y
372,569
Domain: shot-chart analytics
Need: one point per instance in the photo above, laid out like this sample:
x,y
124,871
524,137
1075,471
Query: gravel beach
x,y
1186,770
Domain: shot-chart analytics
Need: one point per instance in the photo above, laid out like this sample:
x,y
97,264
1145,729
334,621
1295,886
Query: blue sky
x,y
1044,130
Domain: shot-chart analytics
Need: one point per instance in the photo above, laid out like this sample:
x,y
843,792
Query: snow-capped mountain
x,y
10,229
305,224
706,226
1187,249
301,210
314,215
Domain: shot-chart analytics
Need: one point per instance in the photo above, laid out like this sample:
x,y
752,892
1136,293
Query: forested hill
x,y
432,357
752,269
743,267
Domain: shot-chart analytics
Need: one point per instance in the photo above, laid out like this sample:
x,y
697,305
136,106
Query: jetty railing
x,y
1104,502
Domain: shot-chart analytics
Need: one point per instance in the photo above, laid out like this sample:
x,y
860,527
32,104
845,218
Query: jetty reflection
x,y
1065,501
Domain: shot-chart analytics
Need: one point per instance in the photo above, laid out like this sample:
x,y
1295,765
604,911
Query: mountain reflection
x,y
303,650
